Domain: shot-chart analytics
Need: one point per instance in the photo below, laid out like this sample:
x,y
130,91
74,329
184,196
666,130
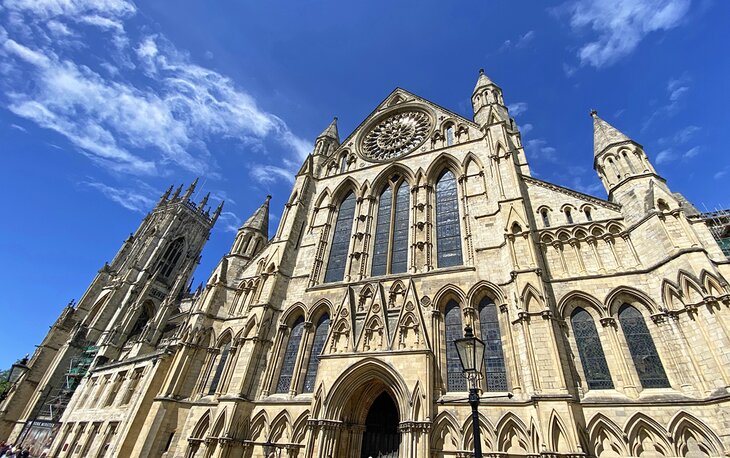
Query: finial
x,y
191,189
335,119
481,71
204,201
166,194
594,113
217,212
268,198
177,192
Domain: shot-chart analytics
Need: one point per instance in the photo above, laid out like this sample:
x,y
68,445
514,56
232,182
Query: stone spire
x,y
483,81
331,131
259,221
605,135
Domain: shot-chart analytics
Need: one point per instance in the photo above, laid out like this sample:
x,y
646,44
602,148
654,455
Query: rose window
x,y
396,135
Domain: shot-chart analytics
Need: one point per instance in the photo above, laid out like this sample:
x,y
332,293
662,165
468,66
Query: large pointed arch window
x,y
222,359
390,254
455,380
448,230
170,257
592,358
641,346
290,356
320,334
494,367
341,240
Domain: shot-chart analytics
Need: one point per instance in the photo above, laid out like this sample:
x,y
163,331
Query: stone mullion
x,y
437,350
277,348
465,219
702,325
611,245
366,237
632,249
677,330
523,319
428,228
576,250
304,344
415,212
515,379
630,385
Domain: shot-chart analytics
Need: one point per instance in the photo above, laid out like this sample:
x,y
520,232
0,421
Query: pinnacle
x,y
604,134
331,131
483,80
259,221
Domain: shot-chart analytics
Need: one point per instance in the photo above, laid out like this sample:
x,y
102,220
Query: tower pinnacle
x,y
604,134
331,131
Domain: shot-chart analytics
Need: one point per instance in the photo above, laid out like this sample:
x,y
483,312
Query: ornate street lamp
x,y
16,371
471,356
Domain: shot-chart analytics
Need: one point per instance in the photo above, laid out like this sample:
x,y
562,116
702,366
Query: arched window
x,y
222,359
343,163
393,212
147,313
568,216
495,370
641,346
592,358
320,334
170,257
628,162
545,218
587,212
290,356
449,135
615,169
448,230
455,380
341,240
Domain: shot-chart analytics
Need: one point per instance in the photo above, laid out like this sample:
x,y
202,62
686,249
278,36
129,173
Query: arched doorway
x,y
381,438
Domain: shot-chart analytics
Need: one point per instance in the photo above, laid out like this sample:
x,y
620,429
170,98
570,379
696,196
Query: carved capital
x,y
608,322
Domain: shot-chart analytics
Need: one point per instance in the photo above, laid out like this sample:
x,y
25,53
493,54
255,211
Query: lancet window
x,y
390,253
320,335
592,358
290,356
222,359
341,240
170,257
494,367
641,346
455,380
448,230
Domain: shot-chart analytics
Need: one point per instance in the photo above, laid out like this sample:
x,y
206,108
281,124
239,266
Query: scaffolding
x,y
719,224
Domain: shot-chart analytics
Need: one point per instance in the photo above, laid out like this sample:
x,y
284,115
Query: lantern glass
x,y
471,352
16,371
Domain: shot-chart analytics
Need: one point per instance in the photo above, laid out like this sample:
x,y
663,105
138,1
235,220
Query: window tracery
x,y
290,356
224,352
455,380
320,335
641,346
341,240
592,358
390,253
495,370
448,230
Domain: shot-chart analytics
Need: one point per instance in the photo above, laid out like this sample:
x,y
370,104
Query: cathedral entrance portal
x,y
381,438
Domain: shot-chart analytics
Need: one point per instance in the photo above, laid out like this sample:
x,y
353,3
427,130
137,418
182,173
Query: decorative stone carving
x,y
396,135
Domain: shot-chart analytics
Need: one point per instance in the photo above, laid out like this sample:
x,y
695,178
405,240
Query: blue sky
x,y
105,103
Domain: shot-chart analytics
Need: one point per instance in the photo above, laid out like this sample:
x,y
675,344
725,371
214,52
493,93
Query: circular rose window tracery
x,y
396,135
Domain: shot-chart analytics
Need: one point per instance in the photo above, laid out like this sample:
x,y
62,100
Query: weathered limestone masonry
x,y
608,319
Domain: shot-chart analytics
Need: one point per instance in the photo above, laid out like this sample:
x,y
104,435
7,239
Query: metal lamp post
x,y
471,356
16,371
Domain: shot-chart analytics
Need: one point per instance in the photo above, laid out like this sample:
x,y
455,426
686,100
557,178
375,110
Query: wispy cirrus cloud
x,y
520,42
618,27
517,108
138,199
676,89
143,107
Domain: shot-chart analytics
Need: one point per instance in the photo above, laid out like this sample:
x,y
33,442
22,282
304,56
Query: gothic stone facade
x,y
608,320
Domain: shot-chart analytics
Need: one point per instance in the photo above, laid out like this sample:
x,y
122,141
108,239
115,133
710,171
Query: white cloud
x,y
20,128
228,222
130,199
720,174
620,25
268,174
676,89
526,129
692,152
517,108
665,156
521,41
538,148
144,107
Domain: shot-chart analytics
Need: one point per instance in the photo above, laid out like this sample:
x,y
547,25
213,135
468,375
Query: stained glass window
x,y
495,370
448,231
450,136
399,260
390,253
320,334
290,356
455,380
643,352
382,232
219,369
592,358
341,240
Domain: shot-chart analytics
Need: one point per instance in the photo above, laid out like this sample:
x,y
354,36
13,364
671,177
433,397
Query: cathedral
x,y
606,323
